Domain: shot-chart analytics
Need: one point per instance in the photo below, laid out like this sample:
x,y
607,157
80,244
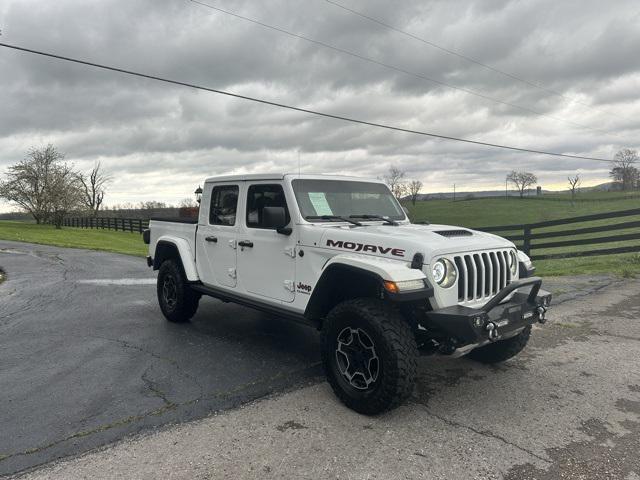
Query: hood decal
x,y
365,247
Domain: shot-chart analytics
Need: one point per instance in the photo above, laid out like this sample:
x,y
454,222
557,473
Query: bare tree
x,y
28,182
65,192
522,180
395,180
188,203
414,189
624,171
93,188
574,184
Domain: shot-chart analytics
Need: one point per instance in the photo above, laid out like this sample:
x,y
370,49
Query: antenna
x,y
298,162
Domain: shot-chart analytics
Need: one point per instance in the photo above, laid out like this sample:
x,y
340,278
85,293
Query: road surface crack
x,y
486,433
153,388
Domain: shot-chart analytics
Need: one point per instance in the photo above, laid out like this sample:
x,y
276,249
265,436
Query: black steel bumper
x,y
495,320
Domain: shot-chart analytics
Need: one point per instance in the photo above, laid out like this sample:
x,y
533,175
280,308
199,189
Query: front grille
x,y
454,233
481,275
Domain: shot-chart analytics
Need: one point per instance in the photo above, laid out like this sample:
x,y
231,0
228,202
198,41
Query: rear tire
x,y
177,300
369,354
502,350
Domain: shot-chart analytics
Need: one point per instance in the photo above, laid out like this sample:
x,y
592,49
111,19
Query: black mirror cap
x,y
285,231
274,218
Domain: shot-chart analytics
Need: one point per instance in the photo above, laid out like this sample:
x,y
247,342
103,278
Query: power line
x,y
469,59
399,69
300,109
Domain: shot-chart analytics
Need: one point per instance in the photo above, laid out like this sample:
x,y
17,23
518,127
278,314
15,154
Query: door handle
x,y
211,239
245,243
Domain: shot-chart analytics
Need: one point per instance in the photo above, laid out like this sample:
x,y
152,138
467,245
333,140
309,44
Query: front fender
x,y
186,255
351,276
385,269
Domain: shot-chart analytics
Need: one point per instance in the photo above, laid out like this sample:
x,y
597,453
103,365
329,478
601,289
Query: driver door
x,y
266,258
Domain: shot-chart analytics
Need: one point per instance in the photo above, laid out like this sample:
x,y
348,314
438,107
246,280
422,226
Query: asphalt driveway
x,y
86,357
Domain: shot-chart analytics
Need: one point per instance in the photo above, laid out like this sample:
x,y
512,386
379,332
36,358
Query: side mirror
x,y
275,218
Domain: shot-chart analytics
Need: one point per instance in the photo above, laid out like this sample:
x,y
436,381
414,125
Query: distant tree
x,y
29,183
93,188
188,203
574,184
396,181
624,171
414,189
152,205
522,180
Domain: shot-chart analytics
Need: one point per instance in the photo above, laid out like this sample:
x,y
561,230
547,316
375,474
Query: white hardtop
x,y
281,176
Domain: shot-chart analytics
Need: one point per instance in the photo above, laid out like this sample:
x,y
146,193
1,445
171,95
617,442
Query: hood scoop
x,y
454,233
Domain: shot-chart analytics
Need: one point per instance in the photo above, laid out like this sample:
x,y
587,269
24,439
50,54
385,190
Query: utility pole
x,y
454,192
506,189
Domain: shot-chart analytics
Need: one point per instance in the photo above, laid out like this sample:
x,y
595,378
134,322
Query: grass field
x,y
512,211
469,213
515,211
119,242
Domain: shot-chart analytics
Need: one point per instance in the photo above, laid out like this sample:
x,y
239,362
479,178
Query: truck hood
x,y
403,241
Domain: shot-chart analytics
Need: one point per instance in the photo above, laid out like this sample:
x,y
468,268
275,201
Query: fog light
x,y
542,314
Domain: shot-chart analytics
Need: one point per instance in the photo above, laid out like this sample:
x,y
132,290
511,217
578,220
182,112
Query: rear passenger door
x,y
217,238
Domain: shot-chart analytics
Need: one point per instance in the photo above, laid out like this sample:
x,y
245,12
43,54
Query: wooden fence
x,y
532,238
528,237
108,223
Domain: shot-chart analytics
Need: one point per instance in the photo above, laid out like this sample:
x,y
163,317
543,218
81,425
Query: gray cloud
x,y
145,132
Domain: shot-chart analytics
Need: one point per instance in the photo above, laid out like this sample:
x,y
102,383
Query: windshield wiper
x,y
375,217
332,217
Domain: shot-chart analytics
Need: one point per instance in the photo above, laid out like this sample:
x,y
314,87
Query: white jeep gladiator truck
x,y
340,254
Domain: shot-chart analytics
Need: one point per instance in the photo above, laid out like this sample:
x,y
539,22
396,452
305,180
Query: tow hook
x,y
493,330
542,314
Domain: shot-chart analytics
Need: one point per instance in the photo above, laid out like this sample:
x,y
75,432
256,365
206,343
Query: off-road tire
x,y
395,347
502,350
184,303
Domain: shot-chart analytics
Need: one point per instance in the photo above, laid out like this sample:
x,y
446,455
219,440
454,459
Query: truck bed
x,y
175,228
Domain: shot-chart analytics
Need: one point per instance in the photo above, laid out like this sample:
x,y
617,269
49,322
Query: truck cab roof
x,y
282,176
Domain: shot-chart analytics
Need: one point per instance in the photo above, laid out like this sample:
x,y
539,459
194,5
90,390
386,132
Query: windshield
x,y
343,198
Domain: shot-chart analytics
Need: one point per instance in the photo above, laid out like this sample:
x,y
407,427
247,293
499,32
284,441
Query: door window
x,y
224,204
260,196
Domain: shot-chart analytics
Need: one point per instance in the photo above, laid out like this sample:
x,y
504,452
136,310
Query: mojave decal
x,y
365,247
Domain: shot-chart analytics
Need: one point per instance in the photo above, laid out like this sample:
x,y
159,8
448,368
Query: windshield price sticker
x,y
320,204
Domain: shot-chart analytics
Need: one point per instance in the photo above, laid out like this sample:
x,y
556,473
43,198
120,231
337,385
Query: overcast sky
x,y
159,141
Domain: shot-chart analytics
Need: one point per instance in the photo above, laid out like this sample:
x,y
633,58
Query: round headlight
x,y
439,271
444,273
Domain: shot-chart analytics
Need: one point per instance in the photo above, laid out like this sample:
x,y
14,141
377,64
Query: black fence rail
x,y
132,225
529,239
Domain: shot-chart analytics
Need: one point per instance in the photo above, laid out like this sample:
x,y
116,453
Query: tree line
x,y
48,188
624,174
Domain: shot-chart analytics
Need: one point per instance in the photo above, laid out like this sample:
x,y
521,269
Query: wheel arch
x,y
176,248
339,282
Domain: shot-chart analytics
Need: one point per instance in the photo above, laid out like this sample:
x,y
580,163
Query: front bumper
x,y
495,320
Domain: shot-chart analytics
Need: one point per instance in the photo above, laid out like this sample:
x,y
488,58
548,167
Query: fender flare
x,y
376,270
184,251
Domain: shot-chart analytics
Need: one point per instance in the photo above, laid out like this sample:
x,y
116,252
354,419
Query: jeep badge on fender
x,y
380,289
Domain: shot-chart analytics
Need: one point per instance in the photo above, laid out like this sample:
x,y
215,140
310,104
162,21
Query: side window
x,y
224,204
260,196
